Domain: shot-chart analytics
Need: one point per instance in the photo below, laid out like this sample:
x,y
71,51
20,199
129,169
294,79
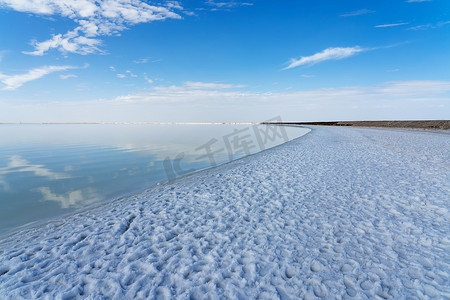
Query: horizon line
x,y
129,123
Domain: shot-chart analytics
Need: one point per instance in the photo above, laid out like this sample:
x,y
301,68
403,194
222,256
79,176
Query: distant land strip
x,y
424,124
129,123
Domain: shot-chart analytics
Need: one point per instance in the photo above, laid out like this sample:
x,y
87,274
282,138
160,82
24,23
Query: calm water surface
x,y
51,170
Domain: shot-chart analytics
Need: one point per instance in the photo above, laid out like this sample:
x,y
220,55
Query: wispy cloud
x,y
210,85
205,92
327,54
12,82
422,27
228,4
418,99
95,18
131,74
67,76
149,80
3,53
414,87
429,26
194,86
141,61
145,60
174,5
128,73
390,25
410,1
358,13
69,42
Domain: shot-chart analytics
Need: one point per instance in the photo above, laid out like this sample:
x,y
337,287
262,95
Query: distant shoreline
x,y
423,124
130,123
420,124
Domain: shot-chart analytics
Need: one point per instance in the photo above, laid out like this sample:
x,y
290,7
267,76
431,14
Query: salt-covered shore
x,y
339,213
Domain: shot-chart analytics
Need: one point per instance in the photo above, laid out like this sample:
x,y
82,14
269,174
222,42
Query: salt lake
x,y
49,170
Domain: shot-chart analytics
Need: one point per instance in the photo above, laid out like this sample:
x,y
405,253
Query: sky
x,y
223,61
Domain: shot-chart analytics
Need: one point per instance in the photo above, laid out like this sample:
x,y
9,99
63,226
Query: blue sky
x,y
223,61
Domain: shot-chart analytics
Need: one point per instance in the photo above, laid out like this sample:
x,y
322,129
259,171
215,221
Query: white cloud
x,y
131,73
419,99
210,85
146,60
13,82
95,18
422,27
3,53
411,1
193,86
141,61
229,4
327,54
128,73
174,4
69,42
414,88
148,79
429,26
407,99
357,13
307,76
67,76
191,92
390,25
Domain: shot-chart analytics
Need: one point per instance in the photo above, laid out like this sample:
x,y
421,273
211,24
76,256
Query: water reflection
x,y
50,170
71,199
18,164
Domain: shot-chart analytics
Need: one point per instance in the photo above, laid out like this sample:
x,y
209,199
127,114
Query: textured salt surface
x,y
339,213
